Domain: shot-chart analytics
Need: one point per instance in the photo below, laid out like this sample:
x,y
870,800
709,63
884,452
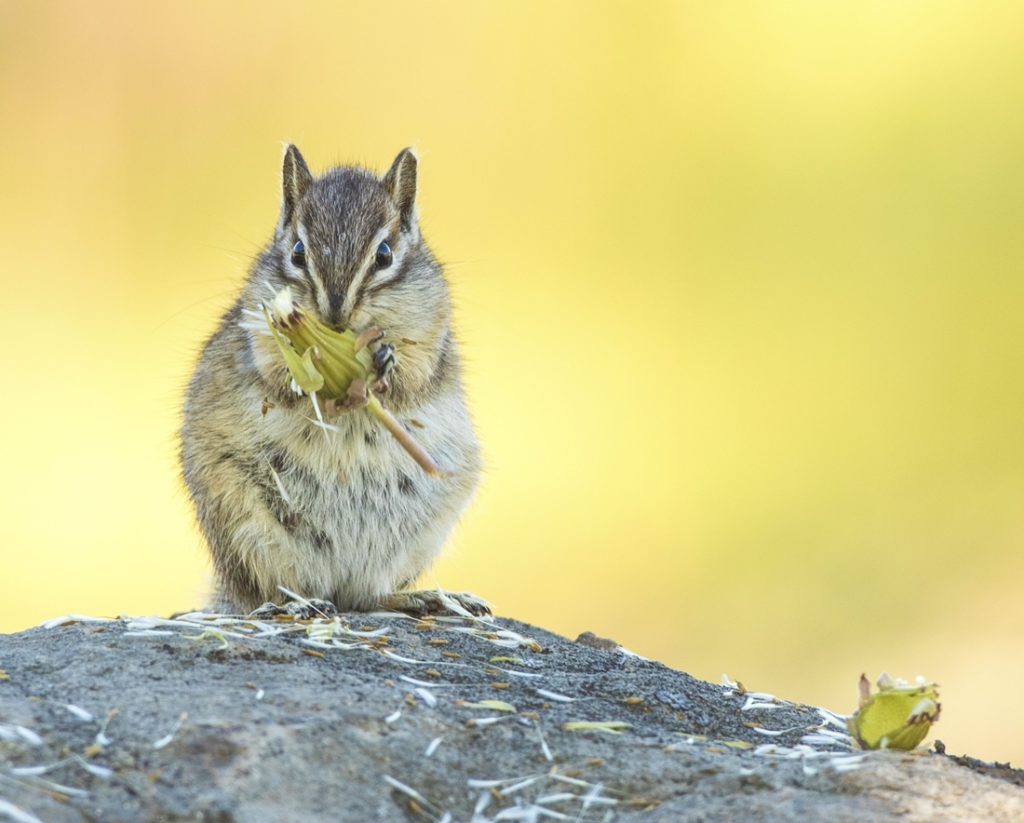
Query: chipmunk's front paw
x,y
435,601
384,362
300,611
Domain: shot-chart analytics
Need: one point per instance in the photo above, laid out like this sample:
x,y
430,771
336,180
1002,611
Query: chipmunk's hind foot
x,y
305,610
435,601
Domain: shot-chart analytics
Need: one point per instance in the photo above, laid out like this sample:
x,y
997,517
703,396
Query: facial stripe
x,y
316,283
401,272
355,288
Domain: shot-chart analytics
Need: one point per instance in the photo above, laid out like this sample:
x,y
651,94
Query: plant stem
x,y
416,451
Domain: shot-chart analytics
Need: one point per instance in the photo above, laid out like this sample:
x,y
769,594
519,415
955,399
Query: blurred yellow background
x,y
739,284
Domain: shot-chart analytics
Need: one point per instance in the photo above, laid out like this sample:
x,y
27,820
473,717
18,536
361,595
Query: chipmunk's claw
x,y
434,601
300,611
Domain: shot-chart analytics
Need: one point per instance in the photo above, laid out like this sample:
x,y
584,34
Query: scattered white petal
x,y
558,698
400,659
61,789
832,718
819,739
416,682
390,615
167,738
374,633
543,743
325,427
406,790
482,802
514,673
836,735
94,768
32,771
259,694
474,783
426,697
280,486
753,703
593,797
847,760
489,721
391,718
101,739
572,781
770,748
9,810
8,734
454,605
298,598
29,736
432,747
79,712
515,787
556,798
529,813
316,644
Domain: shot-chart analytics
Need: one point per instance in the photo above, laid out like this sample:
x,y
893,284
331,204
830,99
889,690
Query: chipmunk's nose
x,y
334,319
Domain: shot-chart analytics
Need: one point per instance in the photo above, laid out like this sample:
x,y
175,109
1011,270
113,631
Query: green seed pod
x,y
329,364
898,716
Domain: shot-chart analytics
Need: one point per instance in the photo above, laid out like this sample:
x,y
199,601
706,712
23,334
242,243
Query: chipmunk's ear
x,y
295,179
400,181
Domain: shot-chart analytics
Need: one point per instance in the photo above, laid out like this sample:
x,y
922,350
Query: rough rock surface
x,y
248,722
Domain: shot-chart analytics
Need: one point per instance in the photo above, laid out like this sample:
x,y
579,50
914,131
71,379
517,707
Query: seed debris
x,y
610,726
426,696
409,791
543,743
18,815
167,738
28,736
558,698
416,682
79,712
493,705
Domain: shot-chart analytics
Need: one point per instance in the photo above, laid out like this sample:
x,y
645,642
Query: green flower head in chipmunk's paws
x,y
336,365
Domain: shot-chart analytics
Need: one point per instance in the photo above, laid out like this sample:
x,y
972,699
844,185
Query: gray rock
x,y
248,722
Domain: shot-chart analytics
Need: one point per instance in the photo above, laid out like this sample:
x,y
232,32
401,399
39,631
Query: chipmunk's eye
x,y
383,255
299,254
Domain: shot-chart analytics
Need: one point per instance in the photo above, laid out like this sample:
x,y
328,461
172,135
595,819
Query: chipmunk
x,y
340,514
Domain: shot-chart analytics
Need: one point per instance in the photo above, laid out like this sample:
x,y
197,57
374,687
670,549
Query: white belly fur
x,y
383,519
